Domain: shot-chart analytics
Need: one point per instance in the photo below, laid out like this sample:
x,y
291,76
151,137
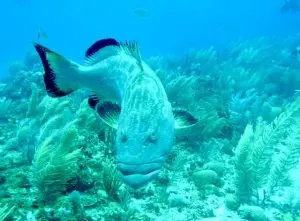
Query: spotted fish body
x,y
147,124
135,103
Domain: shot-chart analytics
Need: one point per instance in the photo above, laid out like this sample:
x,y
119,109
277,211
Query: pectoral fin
x,y
183,119
109,113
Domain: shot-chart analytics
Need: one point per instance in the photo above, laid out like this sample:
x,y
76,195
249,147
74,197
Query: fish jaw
x,y
138,175
139,165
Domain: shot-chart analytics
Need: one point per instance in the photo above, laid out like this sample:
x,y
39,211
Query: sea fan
x,y
244,179
55,163
5,211
254,157
288,156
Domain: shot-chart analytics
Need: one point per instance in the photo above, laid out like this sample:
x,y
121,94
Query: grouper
x,y
128,96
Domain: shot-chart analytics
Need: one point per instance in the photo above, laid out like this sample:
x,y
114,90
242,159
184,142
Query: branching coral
x,y
42,120
288,156
111,181
244,182
255,165
55,163
5,211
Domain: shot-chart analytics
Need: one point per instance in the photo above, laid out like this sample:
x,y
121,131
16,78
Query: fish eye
x,y
152,138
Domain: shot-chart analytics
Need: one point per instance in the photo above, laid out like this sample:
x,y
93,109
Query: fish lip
x,y
159,160
142,169
139,174
138,180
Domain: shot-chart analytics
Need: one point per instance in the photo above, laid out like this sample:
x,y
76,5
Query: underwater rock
x,y
253,213
218,167
205,177
231,202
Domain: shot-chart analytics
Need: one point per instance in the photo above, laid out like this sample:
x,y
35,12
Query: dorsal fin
x,y
94,48
100,50
132,48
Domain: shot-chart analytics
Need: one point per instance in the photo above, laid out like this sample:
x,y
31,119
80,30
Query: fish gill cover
x,y
235,67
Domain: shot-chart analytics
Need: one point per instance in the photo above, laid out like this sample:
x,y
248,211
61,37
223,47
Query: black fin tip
x,y
49,75
186,116
101,44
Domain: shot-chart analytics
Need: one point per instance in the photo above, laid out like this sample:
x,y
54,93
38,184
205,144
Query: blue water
x,y
237,159
172,28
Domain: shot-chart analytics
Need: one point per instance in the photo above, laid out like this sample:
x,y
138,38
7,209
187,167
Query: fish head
x,y
144,139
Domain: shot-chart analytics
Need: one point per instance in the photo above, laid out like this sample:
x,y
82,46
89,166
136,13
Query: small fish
x,y
42,34
128,96
141,12
291,5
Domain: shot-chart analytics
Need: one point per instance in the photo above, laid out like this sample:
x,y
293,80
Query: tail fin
x,y
58,72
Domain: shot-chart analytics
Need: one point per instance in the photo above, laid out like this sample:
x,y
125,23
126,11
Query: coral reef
x,y
240,162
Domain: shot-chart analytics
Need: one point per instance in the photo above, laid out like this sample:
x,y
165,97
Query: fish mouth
x,y
138,175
